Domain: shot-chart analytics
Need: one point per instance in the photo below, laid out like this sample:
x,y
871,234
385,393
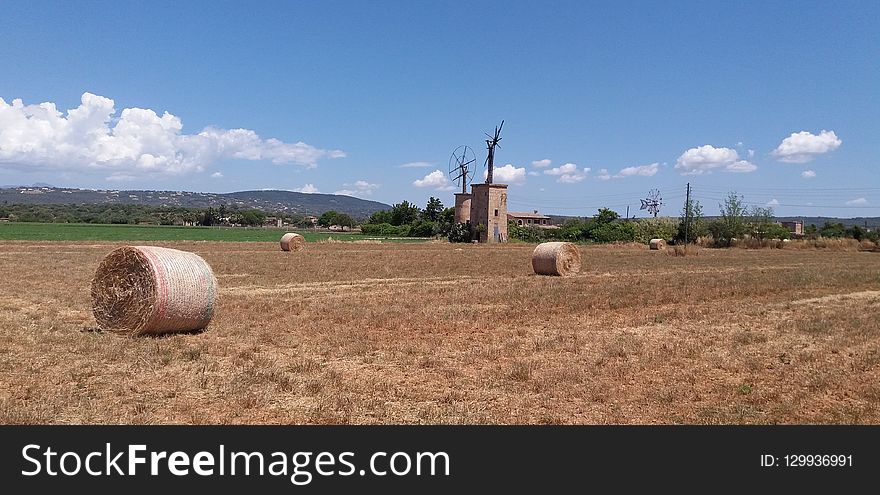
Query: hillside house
x,y
529,219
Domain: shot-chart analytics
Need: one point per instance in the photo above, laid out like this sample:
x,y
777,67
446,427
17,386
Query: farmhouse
x,y
528,219
273,222
796,227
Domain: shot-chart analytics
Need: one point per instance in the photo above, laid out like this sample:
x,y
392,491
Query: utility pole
x,y
687,214
627,214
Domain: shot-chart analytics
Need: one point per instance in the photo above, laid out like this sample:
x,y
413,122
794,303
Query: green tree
x,y
605,215
382,216
856,232
433,209
344,220
422,228
577,229
305,222
328,218
251,218
445,221
191,217
732,224
691,224
776,231
404,213
832,230
448,215
760,221
209,217
614,232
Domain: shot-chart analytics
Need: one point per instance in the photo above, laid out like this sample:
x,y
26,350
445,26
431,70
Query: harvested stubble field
x,y
382,333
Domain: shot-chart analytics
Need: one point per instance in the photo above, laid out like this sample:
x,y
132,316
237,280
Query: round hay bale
x,y
292,242
140,290
657,244
556,258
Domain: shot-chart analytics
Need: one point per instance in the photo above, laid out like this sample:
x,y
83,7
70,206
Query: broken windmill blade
x,y
491,144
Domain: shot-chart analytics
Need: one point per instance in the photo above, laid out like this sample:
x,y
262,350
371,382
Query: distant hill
x,y
35,184
269,201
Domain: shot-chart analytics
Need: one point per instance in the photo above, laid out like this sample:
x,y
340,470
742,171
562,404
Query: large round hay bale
x,y
657,244
556,258
292,242
153,290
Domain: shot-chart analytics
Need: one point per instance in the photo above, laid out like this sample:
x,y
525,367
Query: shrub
x,y
385,229
523,233
646,229
459,232
422,228
614,232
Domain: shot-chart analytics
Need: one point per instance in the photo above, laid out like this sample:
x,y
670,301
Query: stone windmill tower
x,y
488,201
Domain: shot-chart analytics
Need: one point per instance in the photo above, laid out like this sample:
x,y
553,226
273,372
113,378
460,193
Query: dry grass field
x,y
439,333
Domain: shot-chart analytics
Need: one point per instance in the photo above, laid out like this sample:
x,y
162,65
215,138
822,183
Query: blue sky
x,y
778,101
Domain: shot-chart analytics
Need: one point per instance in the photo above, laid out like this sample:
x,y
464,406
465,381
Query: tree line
x,y
736,222
405,219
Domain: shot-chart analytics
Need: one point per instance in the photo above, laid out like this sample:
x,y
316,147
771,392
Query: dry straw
x,y
657,244
292,242
142,290
556,258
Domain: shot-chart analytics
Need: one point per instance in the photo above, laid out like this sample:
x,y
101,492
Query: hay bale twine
x,y
657,244
556,258
140,290
292,242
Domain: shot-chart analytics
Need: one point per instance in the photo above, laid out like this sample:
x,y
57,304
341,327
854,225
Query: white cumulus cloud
x,y
363,185
416,165
572,178
568,173
217,175
857,202
704,159
133,143
641,170
772,202
435,179
358,188
802,147
541,163
741,166
308,189
534,173
568,168
507,174
808,174
603,174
